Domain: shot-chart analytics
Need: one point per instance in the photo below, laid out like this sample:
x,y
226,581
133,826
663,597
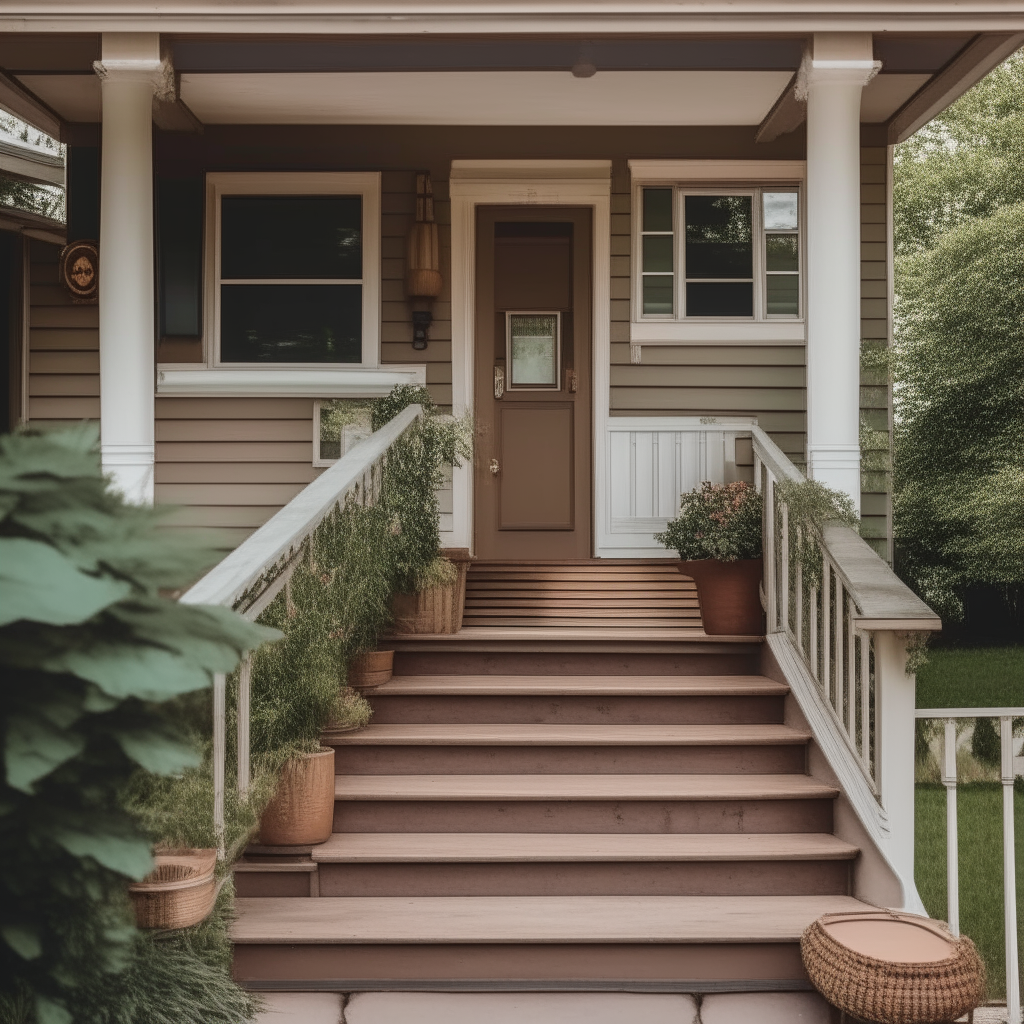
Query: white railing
x,y
841,642
252,575
1006,717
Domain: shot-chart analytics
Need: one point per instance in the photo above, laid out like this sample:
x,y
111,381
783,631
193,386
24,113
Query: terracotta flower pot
x,y
729,594
179,892
301,812
371,669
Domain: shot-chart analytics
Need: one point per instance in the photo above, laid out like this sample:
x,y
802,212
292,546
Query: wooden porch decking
x,y
580,789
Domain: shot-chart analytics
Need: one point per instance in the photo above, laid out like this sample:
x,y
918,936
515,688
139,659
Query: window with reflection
x,y
291,278
719,254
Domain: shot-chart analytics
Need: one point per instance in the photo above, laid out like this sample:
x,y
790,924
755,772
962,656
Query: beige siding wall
x,y
231,463
63,347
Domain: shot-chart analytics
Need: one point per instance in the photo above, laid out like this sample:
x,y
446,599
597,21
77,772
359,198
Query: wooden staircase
x,y
550,806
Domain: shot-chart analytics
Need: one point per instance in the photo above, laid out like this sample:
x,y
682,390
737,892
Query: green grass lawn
x,y
972,677
980,835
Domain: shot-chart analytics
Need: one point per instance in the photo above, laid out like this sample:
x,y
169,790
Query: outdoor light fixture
x,y
423,281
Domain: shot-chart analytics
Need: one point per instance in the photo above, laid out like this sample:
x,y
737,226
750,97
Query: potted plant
x,y
718,536
437,604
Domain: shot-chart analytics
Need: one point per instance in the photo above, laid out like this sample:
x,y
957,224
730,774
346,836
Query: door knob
x,y
499,383
494,467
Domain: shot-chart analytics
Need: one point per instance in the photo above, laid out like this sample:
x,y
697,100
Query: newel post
x,y
894,708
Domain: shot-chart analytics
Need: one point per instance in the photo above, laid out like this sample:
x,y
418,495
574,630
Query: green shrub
x,y
811,506
985,743
721,521
90,653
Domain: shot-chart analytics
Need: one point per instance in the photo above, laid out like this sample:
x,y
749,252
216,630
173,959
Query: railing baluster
x,y
1013,1015
770,579
826,628
865,703
219,687
851,671
952,843
784,566
798,593
244,691
812,632
837,654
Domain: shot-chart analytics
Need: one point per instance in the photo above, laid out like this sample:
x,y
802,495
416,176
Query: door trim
x,y
475,183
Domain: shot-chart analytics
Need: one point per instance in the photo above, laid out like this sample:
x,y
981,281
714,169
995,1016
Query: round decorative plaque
x,y
80,270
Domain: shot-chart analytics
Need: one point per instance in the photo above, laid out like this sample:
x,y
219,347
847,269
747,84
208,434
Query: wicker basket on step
x,y
434,610
179,892
923,976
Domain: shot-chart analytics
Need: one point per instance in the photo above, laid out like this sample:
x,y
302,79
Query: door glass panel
x,y
780,211
719,238
291,237
533,350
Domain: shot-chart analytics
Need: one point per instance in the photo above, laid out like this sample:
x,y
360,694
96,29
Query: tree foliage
x,y
89,652
958,361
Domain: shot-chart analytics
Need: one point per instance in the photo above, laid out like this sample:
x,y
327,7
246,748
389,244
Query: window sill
x,y
277,382
725,332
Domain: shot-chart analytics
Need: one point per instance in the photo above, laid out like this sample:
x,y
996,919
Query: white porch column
x,y
131,72
834,75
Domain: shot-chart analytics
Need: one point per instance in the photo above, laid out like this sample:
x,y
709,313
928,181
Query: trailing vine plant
x,y
811,506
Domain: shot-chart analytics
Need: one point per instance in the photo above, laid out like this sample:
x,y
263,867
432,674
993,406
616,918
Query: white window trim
x,y
694,176
327,380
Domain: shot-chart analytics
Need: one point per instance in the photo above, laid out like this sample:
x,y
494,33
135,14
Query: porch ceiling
x,y
475,97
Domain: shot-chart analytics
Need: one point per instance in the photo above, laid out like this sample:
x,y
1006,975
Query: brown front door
x,y
533,336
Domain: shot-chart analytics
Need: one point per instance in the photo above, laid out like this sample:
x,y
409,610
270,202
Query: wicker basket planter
x,y
179,892
301,812
434,610
935,978
371,669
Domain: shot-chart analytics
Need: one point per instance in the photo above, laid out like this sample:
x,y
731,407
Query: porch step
x,y
574,686
594,803
530,864
531,749
296,943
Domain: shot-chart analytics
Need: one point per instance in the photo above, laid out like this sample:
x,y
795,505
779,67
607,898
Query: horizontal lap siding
x,y
876,505
230,463
63,347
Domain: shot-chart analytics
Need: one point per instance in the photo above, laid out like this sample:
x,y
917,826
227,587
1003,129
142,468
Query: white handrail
x,y
252,575
949,780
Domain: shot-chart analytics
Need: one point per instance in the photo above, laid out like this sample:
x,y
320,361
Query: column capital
x,y
157,74
842,72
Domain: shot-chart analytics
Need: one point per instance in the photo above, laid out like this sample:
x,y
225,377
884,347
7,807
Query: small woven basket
x,y
888,992
179,892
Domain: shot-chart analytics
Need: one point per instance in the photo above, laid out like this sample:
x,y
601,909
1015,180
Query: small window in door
x,y
533,351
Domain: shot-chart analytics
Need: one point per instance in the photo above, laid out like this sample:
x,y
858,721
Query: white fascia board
x,y
718,170
356,382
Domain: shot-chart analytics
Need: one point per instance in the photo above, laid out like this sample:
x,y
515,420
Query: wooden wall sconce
x,y
423,281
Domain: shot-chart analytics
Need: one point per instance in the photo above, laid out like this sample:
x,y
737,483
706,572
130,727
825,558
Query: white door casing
x,y
526,182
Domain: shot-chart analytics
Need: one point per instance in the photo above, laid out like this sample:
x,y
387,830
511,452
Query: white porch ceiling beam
x,y
30,163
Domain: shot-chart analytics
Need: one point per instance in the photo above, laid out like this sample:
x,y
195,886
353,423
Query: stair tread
x,y
587,629
628,686
463,847
580,787
547,735
531,919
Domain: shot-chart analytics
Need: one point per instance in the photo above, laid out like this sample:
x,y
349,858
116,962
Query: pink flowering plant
x,y
721,521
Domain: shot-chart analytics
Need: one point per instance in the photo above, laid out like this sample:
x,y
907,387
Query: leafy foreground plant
x,y
811,506
90,654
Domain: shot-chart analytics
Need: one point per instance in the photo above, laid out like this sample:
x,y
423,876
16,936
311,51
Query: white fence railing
x,y
1007,774
252,575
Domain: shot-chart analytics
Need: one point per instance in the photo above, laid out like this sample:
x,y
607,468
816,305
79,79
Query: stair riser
x,y
316,963
444,709
272,883
588,816
569,760
741,661
801,878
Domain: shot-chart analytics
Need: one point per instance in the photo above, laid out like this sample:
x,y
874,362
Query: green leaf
x,y
34,748
158,752
37,583
127,855
23,940
50,1012
129,671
